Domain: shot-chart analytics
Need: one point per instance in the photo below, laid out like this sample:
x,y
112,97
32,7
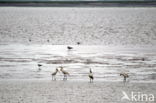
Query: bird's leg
x,y
65,76
52,77
124,80
39,69
55,78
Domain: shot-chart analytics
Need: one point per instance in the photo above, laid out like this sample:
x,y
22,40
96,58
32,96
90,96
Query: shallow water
x,y
20,62
68,25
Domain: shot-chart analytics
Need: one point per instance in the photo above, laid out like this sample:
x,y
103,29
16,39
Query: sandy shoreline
x,y
69,92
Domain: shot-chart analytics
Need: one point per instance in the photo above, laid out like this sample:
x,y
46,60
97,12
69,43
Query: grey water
x,y
113,40
20,62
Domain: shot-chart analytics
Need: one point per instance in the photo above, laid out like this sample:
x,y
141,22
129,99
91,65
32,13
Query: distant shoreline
x,y
79,3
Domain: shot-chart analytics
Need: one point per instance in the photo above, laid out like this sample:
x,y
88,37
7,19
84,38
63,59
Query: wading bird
x,y
125,76
90,75
65,73
54,74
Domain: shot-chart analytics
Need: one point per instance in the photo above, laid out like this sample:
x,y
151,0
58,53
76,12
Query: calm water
x,y
20,62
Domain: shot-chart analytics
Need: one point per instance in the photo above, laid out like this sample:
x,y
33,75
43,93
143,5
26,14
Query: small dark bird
x,y
29,40
90,75
48,40
39,65
54,74
143,59
125,76
69,47
78,43
65,73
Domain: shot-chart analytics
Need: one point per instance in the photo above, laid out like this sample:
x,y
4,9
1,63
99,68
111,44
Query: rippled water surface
x,y
20,62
